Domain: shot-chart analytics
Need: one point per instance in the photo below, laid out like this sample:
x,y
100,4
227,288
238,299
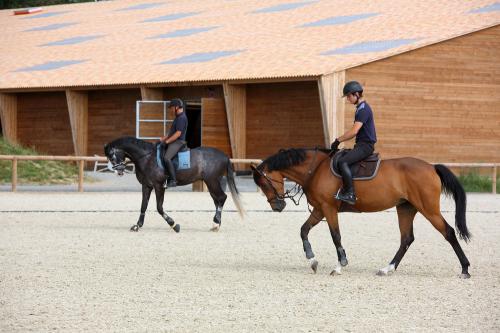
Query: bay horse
x,y
410,184
207,164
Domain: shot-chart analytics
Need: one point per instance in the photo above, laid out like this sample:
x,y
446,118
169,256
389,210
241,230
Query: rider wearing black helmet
x,y
364,131
175,139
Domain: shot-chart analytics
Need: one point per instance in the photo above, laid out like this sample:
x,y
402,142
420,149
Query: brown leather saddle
x,y
363,170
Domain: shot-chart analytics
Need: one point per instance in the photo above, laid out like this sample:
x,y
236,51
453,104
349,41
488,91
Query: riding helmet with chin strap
x,y
352,87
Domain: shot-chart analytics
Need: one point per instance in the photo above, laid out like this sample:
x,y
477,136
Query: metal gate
x,y
158,116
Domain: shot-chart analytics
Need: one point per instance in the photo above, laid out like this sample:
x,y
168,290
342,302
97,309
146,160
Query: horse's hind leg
x,y
219,197
313,219
146,193
406,215
448,233
160,193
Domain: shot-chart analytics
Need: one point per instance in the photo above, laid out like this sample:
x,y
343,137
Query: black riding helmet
x,y
176,102
352,87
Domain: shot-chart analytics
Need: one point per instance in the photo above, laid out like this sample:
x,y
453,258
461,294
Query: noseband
x,y
294,191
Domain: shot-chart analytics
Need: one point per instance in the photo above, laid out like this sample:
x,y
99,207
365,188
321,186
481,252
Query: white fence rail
x,y
82,159
81,163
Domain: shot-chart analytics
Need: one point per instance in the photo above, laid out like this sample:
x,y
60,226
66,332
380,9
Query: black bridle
x,y
295,190
123,164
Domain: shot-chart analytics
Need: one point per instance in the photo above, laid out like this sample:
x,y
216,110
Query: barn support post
x,y
235,97
8,116
78,115
332,105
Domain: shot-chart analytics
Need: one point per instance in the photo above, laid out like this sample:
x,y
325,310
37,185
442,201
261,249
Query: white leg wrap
x,y
338,269
387,270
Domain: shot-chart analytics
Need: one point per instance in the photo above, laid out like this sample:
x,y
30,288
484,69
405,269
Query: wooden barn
x,y
256,76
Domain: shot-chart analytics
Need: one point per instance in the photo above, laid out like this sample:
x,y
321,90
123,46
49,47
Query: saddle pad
x,y
159,160
181,161
184,160
363,170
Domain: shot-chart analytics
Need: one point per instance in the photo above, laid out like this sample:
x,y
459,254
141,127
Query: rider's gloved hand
x,y
335,145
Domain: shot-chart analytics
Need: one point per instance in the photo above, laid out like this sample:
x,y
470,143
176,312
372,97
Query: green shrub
x,y
40,172
474,182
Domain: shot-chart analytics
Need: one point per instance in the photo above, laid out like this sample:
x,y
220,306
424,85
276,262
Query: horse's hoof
x,y
135,228
464,276
177,228
343,262
314,265
217,220
215,228
336,271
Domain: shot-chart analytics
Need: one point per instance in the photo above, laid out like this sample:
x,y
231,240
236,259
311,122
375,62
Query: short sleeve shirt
x,y
180,124
364,115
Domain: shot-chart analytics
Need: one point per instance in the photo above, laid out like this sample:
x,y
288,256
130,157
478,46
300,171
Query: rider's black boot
x,y
347,192
172,181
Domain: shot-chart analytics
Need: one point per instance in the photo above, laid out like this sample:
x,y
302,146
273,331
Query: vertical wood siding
x,y
438,103
282,115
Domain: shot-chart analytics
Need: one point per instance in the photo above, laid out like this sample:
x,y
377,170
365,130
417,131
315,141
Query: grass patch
x,y
474,182
35,172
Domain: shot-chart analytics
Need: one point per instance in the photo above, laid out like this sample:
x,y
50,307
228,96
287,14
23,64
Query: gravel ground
x,y
69,263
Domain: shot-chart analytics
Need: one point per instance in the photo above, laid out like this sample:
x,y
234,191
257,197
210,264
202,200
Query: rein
x,y
124,163
296,189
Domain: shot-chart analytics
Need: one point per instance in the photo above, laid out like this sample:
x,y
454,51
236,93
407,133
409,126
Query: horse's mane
x,y
285,158
126,140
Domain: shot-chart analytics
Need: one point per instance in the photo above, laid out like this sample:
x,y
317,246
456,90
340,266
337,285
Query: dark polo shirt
x,y
364,115
180,124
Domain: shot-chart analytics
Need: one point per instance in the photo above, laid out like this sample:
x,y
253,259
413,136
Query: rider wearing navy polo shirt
x,y
175,139
364,131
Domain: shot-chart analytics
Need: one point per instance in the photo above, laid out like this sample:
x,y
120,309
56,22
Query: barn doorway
x,y
193,113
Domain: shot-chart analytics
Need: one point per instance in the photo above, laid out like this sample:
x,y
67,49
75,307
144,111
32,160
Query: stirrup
x,y
171,183
349,198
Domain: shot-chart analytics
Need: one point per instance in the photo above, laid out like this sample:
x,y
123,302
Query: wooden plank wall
x,y
439,103
282,115
43,122
111,115
214,129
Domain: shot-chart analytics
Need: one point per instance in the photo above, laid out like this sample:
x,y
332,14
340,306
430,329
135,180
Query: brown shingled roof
x,y
127,42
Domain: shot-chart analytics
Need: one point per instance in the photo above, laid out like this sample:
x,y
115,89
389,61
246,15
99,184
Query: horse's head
x,y
116,158
272,185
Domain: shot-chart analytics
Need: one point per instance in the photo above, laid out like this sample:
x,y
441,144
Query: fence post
x,y
14,174
494,180
80,175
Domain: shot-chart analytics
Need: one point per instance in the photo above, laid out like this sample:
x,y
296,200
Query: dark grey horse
x,y
207,164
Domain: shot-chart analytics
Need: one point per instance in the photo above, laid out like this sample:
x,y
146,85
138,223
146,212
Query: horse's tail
x,y
235,194
451,186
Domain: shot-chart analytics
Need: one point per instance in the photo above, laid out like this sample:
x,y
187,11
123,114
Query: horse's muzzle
x,y
277,204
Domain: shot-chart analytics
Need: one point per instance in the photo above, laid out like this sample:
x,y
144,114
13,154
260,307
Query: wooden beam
x,y
151,94
78,106
332,105
8,116
235,97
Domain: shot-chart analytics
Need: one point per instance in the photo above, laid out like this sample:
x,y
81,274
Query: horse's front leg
x,y
331,215
314,218
160,193
146,193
